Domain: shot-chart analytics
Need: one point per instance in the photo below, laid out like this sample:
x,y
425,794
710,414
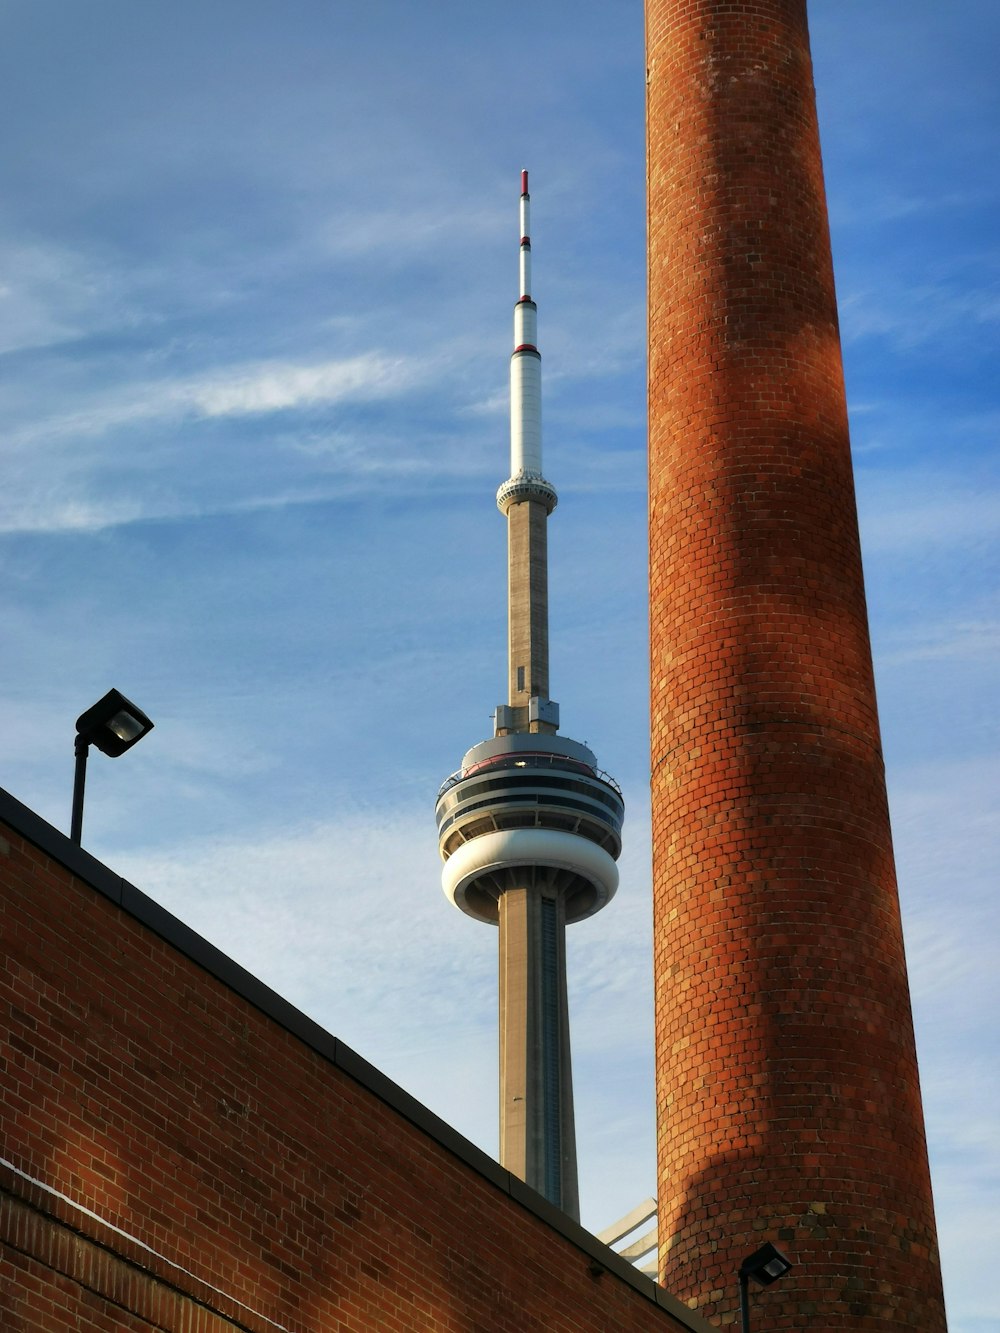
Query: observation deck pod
x,y
529,810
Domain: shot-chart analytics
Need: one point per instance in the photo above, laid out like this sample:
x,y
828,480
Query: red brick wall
x,y
788,1100
229,1137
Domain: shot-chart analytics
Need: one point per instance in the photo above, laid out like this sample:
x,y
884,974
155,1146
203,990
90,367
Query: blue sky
x,y
257,264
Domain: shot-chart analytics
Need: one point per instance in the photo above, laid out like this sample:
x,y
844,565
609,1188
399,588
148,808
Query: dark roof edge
x,y
174,932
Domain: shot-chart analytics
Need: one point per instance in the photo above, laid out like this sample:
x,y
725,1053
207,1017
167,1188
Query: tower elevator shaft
x,y
537,1129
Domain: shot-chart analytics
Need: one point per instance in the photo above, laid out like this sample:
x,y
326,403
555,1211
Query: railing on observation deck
x,y
529,759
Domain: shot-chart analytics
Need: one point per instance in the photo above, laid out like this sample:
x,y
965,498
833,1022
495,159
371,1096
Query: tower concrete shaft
x,y
528,615
529,828
787,1092
537,1129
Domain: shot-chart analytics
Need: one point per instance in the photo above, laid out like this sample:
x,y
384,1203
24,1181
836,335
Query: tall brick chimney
x,y
788,1101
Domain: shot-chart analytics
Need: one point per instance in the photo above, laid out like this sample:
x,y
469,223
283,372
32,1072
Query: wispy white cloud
x,y
49,294
246,390
911,314
274,387
75,471
40,514
890,204
449,221
943,640
347,920
495,405
44,514
947,832
914,508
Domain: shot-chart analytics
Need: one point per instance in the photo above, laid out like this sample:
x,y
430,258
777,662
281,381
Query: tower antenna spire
x,y
529,828
526,499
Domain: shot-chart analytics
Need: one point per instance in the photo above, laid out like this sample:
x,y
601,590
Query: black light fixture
x,y
114,725
765,1266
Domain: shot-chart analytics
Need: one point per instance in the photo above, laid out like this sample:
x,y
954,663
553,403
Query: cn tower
x,y
529,828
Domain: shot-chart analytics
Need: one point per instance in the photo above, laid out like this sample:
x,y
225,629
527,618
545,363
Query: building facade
x,y
182,1150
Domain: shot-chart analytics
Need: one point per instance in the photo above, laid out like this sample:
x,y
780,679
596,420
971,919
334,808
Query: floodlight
x,y
765,1266
114,725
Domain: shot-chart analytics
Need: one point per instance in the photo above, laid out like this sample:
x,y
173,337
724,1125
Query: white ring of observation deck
x,y
509,849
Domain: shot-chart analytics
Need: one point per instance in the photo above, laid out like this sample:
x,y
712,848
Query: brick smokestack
x,y
788,1101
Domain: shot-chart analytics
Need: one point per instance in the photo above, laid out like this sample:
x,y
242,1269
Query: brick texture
x,y
174,1158
788,1100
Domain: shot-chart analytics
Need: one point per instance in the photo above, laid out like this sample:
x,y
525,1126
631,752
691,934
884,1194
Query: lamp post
x,y
765,1266
114,725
